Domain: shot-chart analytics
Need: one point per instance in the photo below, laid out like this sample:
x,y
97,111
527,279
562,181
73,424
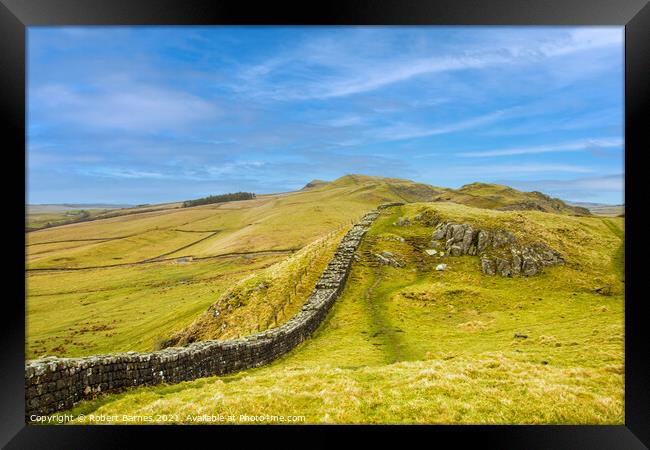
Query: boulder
x,y
402,222
430,251
441,267
487,266
387,259
440,232
484,240
503,238
468,238
503,267
604,290
456,250
529,266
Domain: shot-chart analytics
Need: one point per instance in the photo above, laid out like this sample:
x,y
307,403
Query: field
x,y
129,282
416,345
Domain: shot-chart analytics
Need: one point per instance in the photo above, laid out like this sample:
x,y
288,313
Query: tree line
x,y
219,199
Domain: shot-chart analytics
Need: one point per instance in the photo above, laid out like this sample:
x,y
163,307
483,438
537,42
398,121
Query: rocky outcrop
x,y
389,205
386,258
53,384
402,222
499,250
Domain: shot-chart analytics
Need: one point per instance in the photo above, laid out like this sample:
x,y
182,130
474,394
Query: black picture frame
x,y
16,15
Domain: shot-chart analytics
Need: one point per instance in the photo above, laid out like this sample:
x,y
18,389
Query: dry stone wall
x,y
53,384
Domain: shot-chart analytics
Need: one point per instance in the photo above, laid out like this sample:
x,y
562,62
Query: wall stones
x,y
53,384
499,250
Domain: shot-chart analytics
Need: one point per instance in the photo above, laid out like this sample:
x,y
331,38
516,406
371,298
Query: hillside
x,y
504,198
132,280
411,344
602,209
38,217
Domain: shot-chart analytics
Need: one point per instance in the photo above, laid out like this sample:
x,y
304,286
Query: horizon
x,y
273,193
134,115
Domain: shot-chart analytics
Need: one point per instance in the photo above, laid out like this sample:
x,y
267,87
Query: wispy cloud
x,y
342,72
403,131
123,106
160,114
108,172
583,145
606,188
521,169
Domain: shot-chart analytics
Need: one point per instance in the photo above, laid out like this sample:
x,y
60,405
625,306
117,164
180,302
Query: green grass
x,y
264,299
414,345
125,308
136,304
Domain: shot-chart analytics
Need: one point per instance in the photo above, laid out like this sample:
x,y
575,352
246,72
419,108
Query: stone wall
x,y
53,384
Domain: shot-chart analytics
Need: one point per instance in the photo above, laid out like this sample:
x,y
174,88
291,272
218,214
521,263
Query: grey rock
x,y
604,290
503,267
441,267
487,266
499,250
402,222
440,232
455,250
484,240
468,238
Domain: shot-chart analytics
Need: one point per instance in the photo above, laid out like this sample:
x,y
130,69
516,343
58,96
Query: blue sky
x,y
154,114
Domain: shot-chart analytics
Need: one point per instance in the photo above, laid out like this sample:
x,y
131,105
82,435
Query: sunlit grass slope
x,y
496,196
128,282
265,299
416,345
78,313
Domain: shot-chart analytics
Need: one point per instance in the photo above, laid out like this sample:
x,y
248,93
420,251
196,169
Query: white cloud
x,y
516,169
109,172
346,69
606,188
126,106
574,146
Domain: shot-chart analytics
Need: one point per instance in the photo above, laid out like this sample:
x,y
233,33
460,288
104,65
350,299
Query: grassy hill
x,y
604,210
133,280
496,196
402,345
416,345
38,217
130,281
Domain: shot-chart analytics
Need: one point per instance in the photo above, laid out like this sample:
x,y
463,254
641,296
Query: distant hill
x,y
61,207
602,209
315,183
364,189
505,198
479,195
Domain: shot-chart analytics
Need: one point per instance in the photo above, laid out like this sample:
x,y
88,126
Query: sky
x,y
155,114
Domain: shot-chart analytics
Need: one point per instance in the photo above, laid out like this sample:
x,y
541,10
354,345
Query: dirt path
x,y
618,259
381,327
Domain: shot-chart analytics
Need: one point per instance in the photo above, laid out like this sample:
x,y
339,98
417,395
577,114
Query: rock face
x,y
52,384
499,250
388,259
